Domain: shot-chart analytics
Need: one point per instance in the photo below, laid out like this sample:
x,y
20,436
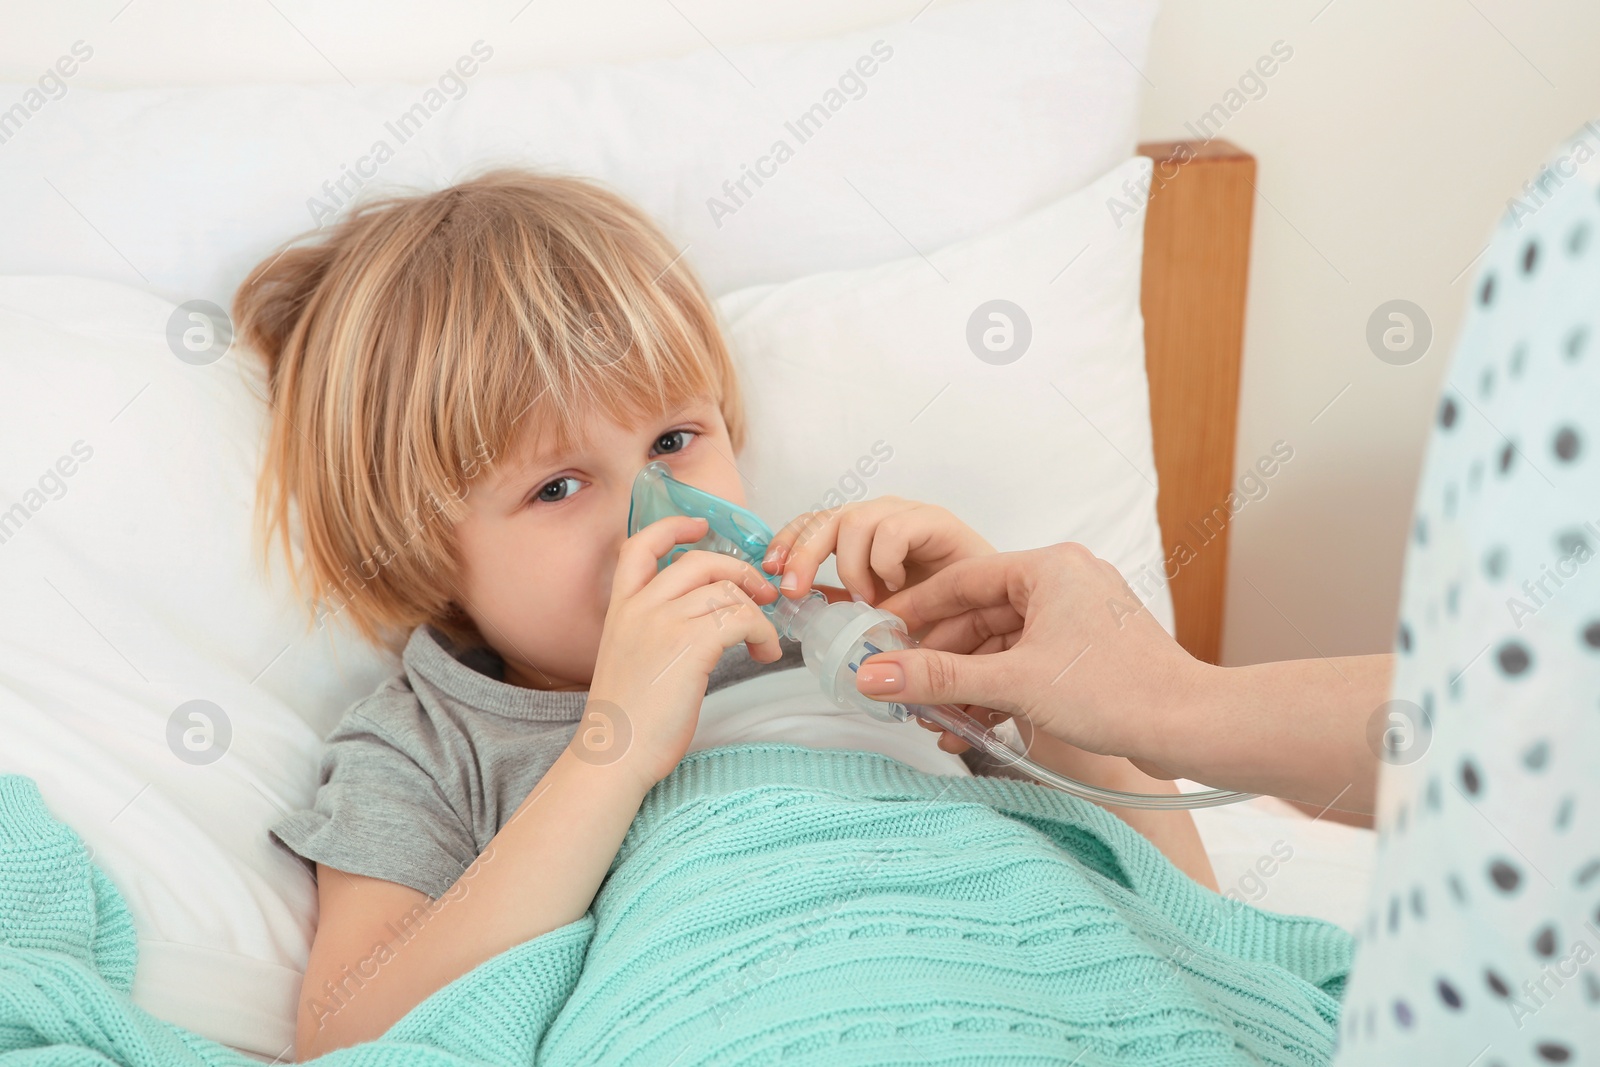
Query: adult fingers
x,y
932,676
948,741
976,582
980,630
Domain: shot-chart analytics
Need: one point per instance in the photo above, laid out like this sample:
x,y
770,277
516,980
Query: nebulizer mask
x,y
835,638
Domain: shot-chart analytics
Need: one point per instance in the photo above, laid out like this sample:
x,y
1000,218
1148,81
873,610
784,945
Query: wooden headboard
x,y
1196,267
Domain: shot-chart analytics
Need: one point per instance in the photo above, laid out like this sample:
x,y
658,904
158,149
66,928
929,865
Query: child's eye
x,y
670,442
558,490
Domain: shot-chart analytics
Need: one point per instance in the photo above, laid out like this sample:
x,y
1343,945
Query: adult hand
x,y
1060,640
1072,649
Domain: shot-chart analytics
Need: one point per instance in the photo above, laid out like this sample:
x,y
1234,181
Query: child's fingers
x,y
727,615
852,546
697,568
640,554
806,529
809,543
874,542
823,535
891,547
922,534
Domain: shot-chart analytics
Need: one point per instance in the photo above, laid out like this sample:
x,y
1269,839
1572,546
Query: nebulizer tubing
x,y
835,638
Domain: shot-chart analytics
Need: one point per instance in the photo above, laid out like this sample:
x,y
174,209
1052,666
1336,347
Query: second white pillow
x,y
1000,377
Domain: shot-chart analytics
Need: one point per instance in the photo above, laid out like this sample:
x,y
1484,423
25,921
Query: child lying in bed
x,y
464,385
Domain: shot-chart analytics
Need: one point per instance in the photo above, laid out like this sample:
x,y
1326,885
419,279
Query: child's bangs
x,y
562,329
630,377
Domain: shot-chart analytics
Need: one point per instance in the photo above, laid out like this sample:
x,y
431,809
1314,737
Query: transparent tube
x,y
986,740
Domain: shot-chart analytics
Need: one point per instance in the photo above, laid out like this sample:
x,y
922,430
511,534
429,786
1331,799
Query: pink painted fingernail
x,y
880,679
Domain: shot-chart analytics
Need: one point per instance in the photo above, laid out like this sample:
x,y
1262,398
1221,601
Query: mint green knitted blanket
x,y
771,904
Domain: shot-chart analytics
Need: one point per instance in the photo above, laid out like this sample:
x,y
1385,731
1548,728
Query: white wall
x,y
1388,144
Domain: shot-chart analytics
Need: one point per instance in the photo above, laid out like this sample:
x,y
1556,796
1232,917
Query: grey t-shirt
x,y
418,777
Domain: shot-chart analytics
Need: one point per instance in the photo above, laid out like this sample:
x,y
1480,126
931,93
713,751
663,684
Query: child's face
x,y
540,540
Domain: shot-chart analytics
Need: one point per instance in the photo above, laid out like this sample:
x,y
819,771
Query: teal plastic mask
x,y
731,529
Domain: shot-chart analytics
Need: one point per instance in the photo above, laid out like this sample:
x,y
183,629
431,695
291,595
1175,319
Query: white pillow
x,y
877,381
129,591
126,481
972,114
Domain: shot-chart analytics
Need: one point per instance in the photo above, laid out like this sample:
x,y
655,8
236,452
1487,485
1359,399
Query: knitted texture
x,y
777,904
51,897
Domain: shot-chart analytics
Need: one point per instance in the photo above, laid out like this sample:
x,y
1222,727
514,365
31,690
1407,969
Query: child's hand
x,y
882,545
663,635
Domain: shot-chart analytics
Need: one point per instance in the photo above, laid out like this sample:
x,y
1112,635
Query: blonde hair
x,y
405,350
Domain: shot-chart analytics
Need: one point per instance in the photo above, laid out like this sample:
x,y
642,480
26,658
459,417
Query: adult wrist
x,y
1187,724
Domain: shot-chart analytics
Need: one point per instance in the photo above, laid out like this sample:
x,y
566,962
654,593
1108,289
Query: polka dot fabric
x,y
1481,947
